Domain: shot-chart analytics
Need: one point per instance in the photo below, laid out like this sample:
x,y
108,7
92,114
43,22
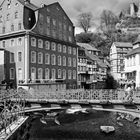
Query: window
x,y
64,74
12,42
12,58
16,15
19,41
53,45
3,30
47,45
40,58
74,74
47,73
12,73
3,44
12,27
59,48
64,61
19,26
70,39
40,73
70,28
47,58
69,50
8,15
19,56
33,57
19,73
53,59
69,74
8,6
64,49
59,60
74,51
74,62
0,19
59,73
69,61
53,74
40,43
33,73
54,22
48,19
33,42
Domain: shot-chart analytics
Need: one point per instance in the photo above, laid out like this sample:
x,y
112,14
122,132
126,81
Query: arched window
x,y
59,60
47,73
69,61
59,73
53,59
64,74
40,73
64,61
33,57
74,62
40,58
47,58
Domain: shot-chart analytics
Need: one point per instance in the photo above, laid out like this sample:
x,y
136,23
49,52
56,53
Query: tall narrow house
x,y
37,44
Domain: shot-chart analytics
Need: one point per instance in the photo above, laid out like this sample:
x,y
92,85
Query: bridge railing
x,y
78,95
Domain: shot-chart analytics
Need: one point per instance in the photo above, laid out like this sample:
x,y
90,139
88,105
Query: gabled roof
x,y
29,5
123,44
134,51
87,46
96,58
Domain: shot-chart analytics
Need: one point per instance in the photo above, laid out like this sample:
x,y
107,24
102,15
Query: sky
x,y
74,7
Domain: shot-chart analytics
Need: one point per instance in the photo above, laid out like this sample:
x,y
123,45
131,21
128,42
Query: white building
x,y
117,52
132,64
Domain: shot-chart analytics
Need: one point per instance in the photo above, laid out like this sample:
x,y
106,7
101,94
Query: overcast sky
x,y
75,7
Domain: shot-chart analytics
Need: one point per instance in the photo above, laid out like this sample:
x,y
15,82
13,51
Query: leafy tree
x,y
85,21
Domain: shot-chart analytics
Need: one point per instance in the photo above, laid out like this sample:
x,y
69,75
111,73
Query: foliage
x,y
85,21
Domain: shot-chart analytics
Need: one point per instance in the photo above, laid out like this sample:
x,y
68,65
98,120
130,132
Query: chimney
x,y
26,1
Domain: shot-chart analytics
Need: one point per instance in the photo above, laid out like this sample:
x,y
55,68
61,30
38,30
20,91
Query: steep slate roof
x,y
123,44
95,58
29,5
87,46
134,51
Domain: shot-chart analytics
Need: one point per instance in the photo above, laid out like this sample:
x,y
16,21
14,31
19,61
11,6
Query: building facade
x,y
132,64
118,51
91,70
38,42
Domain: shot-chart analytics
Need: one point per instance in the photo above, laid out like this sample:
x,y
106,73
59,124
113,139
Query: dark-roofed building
x,y
118,51
39,43
132,64
91,69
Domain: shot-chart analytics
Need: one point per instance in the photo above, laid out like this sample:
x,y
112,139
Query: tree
x,y
85,21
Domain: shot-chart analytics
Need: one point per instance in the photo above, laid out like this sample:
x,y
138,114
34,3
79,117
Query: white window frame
x,y
74,62
12,57
69,74
12,43
59,60
40,58
59,48
47,58
33,41
69,62
69,50
64,49
59,73
47,73
40,43
64,61
74,74
53,62
19,41
12,76
47,45
53,74
40,75
19,60
74,51
53,46
64,74
20,74
33,69
33,57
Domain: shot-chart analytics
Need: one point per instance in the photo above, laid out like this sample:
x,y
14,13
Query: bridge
x,y
16,104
